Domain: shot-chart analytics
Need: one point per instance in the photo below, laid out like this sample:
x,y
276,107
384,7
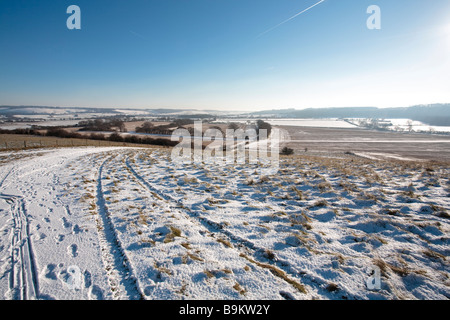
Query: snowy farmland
x,y
125,223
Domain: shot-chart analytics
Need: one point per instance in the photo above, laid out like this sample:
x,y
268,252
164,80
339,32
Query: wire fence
x,y
25,143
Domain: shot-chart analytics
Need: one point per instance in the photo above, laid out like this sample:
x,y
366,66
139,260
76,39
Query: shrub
x,y
147,127
264,125
287,151
116,137
61,133
97,136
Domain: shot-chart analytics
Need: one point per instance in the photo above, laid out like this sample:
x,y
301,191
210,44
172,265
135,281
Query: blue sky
x,y
215,54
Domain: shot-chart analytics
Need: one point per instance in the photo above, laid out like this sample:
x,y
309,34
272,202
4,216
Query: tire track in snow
x,y
23,280
215,228
120,276
6,176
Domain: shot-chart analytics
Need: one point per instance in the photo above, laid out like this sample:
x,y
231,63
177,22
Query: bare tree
x,y
233,125
409,123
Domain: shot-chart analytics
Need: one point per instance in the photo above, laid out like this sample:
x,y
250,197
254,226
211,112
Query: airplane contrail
x,y
137,34
294,16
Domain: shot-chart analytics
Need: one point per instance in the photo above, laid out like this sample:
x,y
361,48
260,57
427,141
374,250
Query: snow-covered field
x,y
318,123
125,223
315,123
403,125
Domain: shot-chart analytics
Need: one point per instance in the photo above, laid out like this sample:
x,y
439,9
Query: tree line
x,y
102,125
116,137
109,125
166,129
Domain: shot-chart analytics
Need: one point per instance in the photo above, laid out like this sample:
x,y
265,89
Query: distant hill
x,y
24,111
433,114
46,110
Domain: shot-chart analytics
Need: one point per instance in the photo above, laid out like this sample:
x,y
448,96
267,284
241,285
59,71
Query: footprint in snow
x,y
76,229
96,293
87,279
65,223
73,250
50,271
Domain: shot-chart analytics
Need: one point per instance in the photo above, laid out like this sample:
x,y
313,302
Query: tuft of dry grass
x,y
142,218
250,181
162,269
174,232
239,289
186,245
298,192
226,243
300,219
383,265
191,180
208,274
320,203
194,257
332,287
434,255
277,272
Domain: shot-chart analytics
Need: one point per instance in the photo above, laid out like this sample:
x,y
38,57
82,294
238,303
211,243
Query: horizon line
x,y
220,110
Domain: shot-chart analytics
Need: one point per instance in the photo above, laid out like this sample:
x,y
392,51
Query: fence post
x,y
25,143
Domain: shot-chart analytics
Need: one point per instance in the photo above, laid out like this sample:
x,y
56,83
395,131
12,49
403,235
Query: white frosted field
x,y
319,123
405,125
125,223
